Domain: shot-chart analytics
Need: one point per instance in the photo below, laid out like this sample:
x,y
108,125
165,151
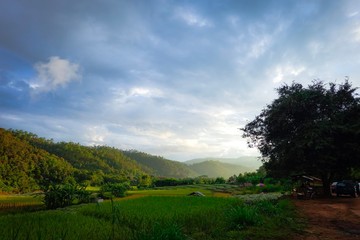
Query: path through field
x,y
330,219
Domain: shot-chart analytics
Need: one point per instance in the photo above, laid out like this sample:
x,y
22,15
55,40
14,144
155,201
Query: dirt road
x,y
330,219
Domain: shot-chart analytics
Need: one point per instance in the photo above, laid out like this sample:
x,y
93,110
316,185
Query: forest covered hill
x,y
29,162
24,167
161,166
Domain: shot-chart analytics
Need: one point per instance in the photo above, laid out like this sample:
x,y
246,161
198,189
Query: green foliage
x,y
145,181
110,190
253,178
355,173
161,182
25,168
59,196
313,130
220,180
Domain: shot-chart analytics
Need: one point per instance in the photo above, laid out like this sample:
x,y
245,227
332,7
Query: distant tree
x,y
234,179
110,190
145,181
220,180
313,130
56,196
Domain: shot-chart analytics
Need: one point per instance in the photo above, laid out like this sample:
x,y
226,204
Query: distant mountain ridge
x,y
161,166
250,162
214,169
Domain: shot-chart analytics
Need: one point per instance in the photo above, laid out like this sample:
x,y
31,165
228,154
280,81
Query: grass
x,y
19,203
171,191
165,213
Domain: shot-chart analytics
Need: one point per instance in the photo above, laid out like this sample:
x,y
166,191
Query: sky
x,y
170,78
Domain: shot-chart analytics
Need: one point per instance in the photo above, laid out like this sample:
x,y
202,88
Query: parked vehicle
x,y
306,187
347,187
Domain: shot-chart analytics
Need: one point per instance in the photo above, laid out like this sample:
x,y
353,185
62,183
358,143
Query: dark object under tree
x,y
313,130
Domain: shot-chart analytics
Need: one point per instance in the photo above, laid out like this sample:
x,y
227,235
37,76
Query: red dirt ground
x,y
330,219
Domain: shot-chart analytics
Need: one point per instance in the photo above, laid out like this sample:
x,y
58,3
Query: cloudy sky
x,y
171,78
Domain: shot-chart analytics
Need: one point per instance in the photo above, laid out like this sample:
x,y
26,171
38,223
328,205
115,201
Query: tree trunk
x,y
326,179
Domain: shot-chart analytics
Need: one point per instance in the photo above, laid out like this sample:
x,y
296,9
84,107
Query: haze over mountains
x,y
224,167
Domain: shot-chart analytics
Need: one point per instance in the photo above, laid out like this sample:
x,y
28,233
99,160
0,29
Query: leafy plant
x,y
57,196
109,190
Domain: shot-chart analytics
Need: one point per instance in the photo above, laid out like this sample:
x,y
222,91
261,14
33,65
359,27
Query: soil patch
x,y
330,219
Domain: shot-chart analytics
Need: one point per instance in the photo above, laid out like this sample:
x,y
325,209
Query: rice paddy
x,y
166,213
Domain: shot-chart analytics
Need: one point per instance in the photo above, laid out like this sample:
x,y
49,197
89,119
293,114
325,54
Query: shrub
x,y
110,190
57,196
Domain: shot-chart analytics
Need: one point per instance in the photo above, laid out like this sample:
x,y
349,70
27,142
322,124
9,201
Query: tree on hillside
x,y
313,130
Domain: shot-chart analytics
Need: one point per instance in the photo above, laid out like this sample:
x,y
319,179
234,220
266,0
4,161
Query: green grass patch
x,y
173,191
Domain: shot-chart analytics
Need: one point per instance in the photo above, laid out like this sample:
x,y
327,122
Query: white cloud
x,y
356,33
353,14
190,17
145,92
120,96
96,135
53,74
283,72
259,46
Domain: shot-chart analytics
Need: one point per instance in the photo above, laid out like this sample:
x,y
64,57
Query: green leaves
x,y
309,129
26,168
58,196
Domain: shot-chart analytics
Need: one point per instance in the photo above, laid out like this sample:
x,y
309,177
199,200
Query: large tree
x,y
313,130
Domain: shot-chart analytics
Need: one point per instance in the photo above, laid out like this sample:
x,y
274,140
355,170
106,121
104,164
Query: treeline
x,y
162,182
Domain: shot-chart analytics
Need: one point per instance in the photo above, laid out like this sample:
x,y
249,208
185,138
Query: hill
x,y
218,169
29,162
92,164
160,166
249,162
26,168
97,163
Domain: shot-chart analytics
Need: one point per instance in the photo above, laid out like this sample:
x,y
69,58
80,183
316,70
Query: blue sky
x,y
171,78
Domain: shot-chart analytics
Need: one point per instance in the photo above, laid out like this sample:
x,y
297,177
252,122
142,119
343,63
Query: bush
x,y
110,190
57,196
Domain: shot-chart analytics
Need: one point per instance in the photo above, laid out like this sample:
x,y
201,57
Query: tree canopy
x,y
25,168
313,130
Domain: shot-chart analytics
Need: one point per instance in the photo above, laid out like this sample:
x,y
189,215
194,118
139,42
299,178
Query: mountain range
x,y
29,160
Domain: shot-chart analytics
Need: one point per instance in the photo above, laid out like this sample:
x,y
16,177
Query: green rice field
x,y
165,213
